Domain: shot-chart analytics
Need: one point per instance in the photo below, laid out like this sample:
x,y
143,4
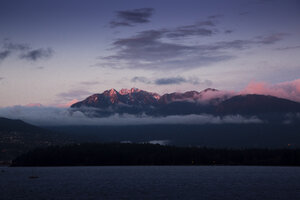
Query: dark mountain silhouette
x,y
17,125
209,101
257,104
18,137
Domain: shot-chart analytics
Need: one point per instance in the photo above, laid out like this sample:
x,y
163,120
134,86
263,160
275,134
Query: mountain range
x,y
209,101
277,125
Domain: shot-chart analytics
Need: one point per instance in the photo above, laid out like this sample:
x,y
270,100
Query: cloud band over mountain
x,y
288,90
51,116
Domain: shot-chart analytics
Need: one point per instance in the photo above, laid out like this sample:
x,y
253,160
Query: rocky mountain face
x,y
208,101
124,97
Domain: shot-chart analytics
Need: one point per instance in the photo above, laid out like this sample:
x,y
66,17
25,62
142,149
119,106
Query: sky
x,y
53,52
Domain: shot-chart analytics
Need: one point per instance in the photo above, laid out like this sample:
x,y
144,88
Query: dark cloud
x,y
228,31
74,94
215,16
24,51
4,54
201,28
288,48
244,13
37,54
146,46
140,15
198,29
114,24
169,48
179,80
40,67
140,79
271,39
206,23
242,44
234,44
191,30
151,45
90,82
132,17
11,46
1,78
170,81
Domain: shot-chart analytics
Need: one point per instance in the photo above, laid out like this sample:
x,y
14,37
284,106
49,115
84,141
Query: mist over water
x,y
53,116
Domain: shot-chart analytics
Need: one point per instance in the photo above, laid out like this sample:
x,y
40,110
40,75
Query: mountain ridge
x,y
115,96
18,137
208,101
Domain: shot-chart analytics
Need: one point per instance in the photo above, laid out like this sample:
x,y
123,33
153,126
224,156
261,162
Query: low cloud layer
x,y
131,17
288,90
74,94
51,116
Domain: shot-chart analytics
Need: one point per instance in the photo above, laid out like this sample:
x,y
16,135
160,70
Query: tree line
x,y
99,154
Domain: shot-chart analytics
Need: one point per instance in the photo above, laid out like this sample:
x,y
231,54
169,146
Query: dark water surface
x,y
151,182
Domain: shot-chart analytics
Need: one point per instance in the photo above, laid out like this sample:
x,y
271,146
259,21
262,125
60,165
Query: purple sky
x,y
52,52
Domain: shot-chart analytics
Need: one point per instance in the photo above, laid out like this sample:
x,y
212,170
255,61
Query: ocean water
x,y
151,182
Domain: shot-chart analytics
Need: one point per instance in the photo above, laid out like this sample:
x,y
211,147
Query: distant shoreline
x,y
123,154
9,166
5,163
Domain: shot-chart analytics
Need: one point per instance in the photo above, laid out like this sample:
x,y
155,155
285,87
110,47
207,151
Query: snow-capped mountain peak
x,y
212,101
112,92
128,91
